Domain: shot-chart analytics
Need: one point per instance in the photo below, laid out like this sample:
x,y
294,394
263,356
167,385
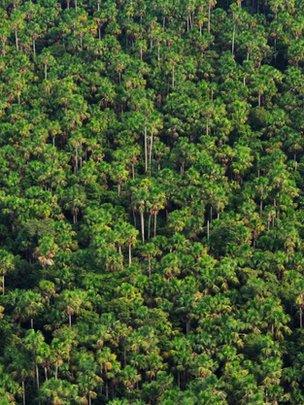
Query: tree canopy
x,y
151,202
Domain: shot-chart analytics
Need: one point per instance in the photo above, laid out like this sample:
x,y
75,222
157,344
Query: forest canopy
x,y
151,202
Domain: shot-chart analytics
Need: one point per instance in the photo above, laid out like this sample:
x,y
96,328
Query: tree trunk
x,y
56,372
34,49
155,224
130,254
32,323
3,284
45,71
16,40
23,392
146,149
150,152
37,376
133,171
142,222
76,161
233,40
149,226
75,215
209,18
70,320
45,373
208,229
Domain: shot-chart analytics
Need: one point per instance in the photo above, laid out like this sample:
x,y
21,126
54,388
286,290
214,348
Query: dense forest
x,y
151,202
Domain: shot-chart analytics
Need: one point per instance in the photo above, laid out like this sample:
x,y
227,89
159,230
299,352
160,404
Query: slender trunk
x,y
45,374
76,5
45,71
133,171
70,320
259,99
155,224
34,49
76,161
32,323
56,372
146,150
233,40
75,219
173,77
23,392
130,254
208,229
16,40
3,284
149,226
142,222
89,399
209,18
98,6
150,152
118,188
182,168
211,214
37,376
261,206
119,250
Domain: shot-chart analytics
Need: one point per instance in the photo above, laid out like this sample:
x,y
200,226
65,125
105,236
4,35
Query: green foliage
x,y
151,196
